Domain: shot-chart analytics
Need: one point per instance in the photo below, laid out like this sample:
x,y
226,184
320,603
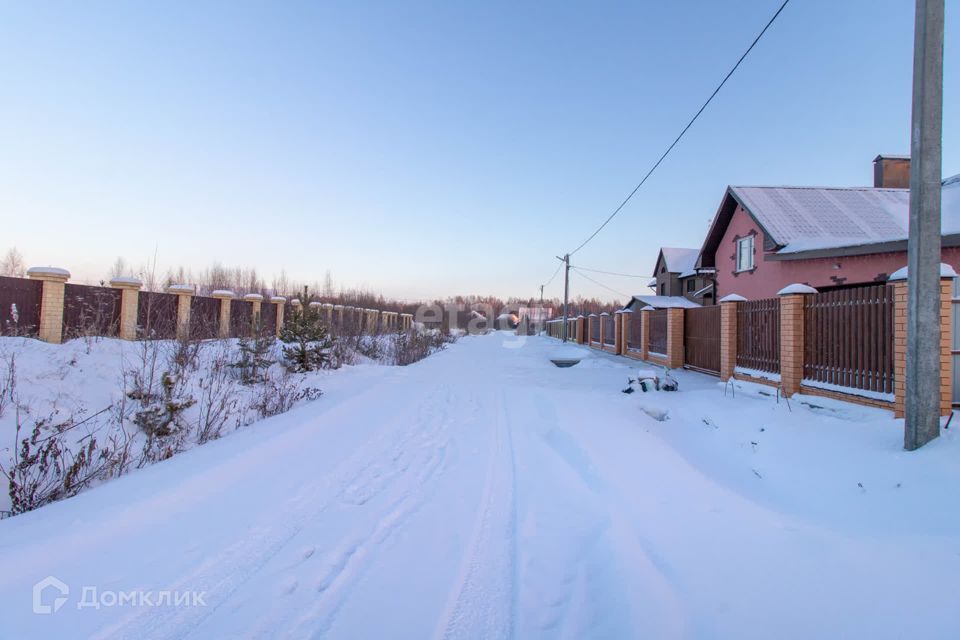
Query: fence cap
x,y
946,271
126,282
48,273
604,314
315,304
179,289
277,299
223,293
296,302
253,297
732,297
648,308
796,288
625,311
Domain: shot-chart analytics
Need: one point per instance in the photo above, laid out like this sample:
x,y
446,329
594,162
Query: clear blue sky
x,y
430,149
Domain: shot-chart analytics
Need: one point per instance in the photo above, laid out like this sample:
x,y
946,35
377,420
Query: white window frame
x,y
745,254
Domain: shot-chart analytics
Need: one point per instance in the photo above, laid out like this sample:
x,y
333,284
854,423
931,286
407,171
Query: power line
x,y
600,284
689,124
547,283
613,273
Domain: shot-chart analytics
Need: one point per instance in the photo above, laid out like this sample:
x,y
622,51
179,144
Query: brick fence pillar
x,y
129,305
899,345
225,297
728,335
618,331
946,339
675,352
625,317
793,301
280,301
602,319
899,282
185,293
256,302
51,301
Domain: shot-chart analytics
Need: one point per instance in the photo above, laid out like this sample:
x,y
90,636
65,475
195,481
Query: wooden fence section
x,y
204,317
241,318
658,331
609,334
635,332
595,329
19,306
90,311
157,315
268,319
701,337
758,335
849,338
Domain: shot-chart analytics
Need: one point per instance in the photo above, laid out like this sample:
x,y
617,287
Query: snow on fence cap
x,y
125,281
649,308
315,304
733,297
223,293
178,288
592,315
48,272
795,288
946,271
253,297
295,302
277,299
625,311
604,313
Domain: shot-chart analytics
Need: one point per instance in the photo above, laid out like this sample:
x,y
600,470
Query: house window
x,y
663,289
745,254
691,285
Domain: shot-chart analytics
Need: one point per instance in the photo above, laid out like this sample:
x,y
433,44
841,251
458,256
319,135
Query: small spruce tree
x,y
255,354
307,345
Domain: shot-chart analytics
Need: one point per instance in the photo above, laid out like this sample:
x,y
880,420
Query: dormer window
x,y
745,254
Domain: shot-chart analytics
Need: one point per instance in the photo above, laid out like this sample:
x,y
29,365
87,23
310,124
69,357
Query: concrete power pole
x,y
922,399
566,291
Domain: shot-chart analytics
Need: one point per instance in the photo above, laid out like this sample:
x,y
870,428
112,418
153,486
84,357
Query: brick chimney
x,y
891,172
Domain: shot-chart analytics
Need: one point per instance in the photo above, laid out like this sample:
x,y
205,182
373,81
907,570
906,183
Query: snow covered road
x,y
484,493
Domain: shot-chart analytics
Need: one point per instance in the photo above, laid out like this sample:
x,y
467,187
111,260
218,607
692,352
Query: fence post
x,y
728,335
899,282
793,299
129,305
947,277
280,301
675,338
185,293
645,333
255,300
51,301
625,316
225,297
618,331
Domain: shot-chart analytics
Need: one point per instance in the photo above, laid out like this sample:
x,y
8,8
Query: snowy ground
x,y
484,493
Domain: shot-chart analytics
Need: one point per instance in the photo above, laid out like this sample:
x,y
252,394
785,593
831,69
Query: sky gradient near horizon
x,y
431,149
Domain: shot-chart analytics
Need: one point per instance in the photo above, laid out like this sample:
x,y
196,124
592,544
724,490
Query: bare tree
x,y
12,264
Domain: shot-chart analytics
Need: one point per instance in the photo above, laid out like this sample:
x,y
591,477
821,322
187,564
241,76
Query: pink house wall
x,y
769,276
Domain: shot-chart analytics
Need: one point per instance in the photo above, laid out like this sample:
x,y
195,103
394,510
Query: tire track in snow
x,y
355,555
220,576
484,602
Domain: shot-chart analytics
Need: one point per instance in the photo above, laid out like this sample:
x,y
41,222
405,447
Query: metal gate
x,y
701,339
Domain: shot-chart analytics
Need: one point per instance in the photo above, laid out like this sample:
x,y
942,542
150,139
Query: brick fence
x,y
45,306
848,345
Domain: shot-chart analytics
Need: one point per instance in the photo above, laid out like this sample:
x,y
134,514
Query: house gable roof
x,y
677,260
798,220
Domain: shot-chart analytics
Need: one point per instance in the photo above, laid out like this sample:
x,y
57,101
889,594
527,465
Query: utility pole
x,y
566,290
922,401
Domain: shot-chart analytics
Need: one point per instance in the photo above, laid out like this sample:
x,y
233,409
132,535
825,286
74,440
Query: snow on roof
x,y
811,218
666,302
680,260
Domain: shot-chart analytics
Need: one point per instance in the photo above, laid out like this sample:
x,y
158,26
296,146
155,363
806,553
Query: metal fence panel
x,y
758,335
90,311
20,306
701,338
658,331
